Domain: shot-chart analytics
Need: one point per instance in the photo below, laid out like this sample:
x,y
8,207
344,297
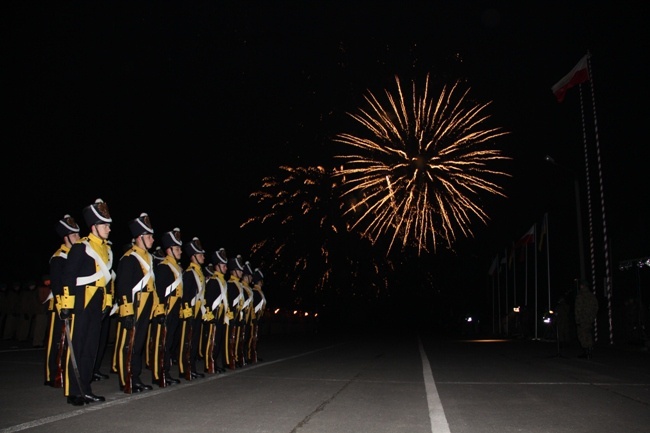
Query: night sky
x,y
180,111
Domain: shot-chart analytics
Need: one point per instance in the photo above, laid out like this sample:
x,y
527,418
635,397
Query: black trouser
x,y
172,322
86,327
197,328
103,342
219,344
139,345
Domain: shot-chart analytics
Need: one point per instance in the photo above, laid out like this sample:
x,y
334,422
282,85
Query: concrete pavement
x,y
367,382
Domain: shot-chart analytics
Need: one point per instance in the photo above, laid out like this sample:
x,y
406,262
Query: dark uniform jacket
x,y
216,297
135,277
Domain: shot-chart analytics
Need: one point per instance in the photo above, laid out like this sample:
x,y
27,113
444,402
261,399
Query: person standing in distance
x,y
68,231
135,290
586,309
86,274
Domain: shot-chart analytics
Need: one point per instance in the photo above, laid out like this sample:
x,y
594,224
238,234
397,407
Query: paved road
x,y
362,383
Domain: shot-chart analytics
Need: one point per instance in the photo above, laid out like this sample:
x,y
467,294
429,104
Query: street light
x,y
576,186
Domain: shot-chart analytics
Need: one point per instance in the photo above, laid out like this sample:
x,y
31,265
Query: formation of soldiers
x,y
23,316
204,318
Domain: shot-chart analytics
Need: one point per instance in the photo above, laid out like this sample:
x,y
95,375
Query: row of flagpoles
x,y
504,267
581,73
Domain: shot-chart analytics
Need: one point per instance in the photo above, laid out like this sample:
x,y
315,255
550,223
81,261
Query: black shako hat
x,y
248,270
257,275
141,226
219,256
236,264
66,225
97,213
158,255
172,238
194,247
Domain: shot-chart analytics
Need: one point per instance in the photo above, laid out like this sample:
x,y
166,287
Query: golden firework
x,y
418,172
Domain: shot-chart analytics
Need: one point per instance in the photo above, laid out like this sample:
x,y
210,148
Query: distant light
x,y
548,317
515,309
468,318
295,312
629,264
277,310
306,314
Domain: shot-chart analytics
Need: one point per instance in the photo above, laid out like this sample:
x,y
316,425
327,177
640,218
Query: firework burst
x,y
418,172
307,246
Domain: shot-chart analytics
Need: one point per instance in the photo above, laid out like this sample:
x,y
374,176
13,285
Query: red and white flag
x,y
579,74
528,237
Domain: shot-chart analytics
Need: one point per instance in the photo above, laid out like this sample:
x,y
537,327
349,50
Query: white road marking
x,y
437,415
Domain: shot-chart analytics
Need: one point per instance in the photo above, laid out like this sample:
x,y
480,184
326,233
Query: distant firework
x,y
306,244
417,173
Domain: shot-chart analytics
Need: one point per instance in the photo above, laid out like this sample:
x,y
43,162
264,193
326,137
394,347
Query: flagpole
x,y
579,74
548,259
608,279
492,281
514,284
526,275
505,267
589,207
514,272
499,293
535,259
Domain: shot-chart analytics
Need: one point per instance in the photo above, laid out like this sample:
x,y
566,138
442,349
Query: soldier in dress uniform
x,y
191,315
86,274
208,271
118,325
259,307
247,312
158,255
235,304
169,286
68,231
217,314
135,292
105,332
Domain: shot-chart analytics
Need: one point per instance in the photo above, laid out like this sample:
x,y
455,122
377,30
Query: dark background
x,y
180,111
